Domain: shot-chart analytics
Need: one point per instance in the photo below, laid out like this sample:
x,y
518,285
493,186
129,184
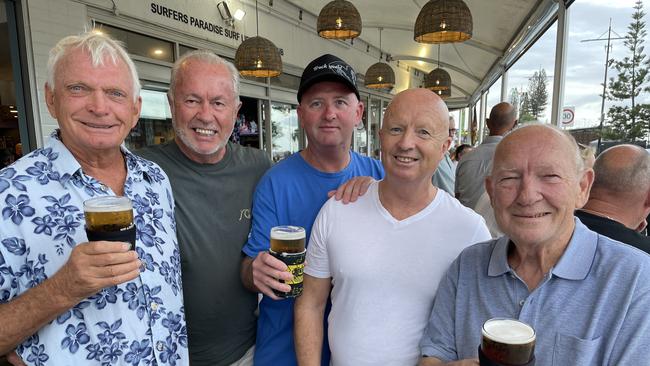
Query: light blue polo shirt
x,y
592,308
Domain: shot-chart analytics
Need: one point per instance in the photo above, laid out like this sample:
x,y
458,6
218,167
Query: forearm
x,y
308,332
247,274
27,313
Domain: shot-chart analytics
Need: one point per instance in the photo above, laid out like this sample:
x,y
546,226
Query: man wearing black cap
x,y
293,191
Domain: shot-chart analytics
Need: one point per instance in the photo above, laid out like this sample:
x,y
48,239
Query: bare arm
x,y
309,311
262,274
91,267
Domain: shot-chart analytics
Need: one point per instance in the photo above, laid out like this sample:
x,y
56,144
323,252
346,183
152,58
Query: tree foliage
x,y
628,120
532,102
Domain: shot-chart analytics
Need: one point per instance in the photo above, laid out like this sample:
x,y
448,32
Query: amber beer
x,y
507,342
110,218
288,245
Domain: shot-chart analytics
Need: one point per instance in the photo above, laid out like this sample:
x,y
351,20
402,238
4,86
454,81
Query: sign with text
x,y
568,116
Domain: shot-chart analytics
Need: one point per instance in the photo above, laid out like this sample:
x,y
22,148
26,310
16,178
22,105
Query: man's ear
x,y
586,181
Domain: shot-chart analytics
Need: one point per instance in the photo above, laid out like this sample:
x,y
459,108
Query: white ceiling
x,y
503,30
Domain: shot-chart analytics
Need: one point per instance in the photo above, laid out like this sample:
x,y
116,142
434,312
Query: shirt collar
x,y
68,166
574,264
492,139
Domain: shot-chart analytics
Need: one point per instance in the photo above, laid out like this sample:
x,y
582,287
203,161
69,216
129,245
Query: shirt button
x,y
154,306
160,346
522,302
103,188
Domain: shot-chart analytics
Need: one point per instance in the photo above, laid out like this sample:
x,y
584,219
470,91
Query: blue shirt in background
x,y
292,193
590,309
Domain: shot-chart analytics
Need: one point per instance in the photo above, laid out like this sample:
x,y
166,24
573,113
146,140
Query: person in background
x,y
213,182
475,166
64,300
586,295
444,175
619,201
353,245
293,191
460,151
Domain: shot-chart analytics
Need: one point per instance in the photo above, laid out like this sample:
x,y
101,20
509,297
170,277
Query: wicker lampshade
x,y
443,21
380,76
439,81
339,19
258,57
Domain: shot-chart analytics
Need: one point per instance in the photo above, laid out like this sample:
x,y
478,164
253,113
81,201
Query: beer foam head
x,y
108,204
287,233
509,331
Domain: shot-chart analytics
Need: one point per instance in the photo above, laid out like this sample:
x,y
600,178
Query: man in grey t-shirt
x,y
213,182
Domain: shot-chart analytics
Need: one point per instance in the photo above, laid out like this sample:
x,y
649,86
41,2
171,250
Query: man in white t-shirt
x,y
383,256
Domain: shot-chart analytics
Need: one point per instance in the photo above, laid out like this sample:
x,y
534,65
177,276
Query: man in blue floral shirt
x,y
63,300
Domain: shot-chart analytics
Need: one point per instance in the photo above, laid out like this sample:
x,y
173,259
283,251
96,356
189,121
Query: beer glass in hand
x,y
110,218
288,245
507,342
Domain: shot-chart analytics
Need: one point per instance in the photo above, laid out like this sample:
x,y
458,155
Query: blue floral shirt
x,y
140,322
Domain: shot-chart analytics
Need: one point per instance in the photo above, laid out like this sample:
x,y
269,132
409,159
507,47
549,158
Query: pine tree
x,y
537,94
525,114
629,121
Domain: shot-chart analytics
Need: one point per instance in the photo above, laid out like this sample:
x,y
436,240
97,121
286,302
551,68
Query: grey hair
x,y
208,57
100,47
632,177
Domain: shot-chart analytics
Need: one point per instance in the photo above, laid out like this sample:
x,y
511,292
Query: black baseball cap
x,y
328,68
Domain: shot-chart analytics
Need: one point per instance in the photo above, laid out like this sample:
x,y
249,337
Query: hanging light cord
x,y
257,19
380,52
438,55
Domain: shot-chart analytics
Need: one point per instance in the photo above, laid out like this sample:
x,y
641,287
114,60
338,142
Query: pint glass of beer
x,y
507,342
288,245
110,218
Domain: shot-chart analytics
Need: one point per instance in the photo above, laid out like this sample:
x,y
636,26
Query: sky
x,y
588,19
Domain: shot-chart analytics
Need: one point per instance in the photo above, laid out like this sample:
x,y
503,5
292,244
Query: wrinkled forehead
x,y
534,149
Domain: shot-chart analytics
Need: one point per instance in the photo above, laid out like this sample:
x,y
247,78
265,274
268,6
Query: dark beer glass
x,y
288,245
110,218
507,342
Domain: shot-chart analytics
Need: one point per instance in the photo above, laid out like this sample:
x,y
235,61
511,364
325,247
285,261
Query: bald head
x,y
623,170
420,102
503,117
551,137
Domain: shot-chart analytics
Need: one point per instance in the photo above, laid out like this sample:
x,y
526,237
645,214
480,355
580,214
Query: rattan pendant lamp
x,y
443,21
257,56
380,75
339,19
439,81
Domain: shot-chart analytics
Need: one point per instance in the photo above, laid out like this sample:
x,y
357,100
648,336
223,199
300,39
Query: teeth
x,y
404,159
205,132
97,126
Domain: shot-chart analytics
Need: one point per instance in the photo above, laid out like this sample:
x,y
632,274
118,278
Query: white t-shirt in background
x,y
385,272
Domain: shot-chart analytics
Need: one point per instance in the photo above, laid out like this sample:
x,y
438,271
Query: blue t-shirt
x,y
292,193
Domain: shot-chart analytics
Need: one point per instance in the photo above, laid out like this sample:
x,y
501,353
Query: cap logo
x,y
340,68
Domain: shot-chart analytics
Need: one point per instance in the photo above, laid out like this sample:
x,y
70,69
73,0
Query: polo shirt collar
x,y
574,264
492,139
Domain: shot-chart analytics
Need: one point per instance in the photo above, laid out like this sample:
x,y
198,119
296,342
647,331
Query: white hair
x,y
100,47
208,57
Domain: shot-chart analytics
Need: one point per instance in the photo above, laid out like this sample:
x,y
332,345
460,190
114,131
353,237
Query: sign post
x,y
568,116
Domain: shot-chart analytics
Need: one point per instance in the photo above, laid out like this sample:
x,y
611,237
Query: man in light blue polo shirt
x,y
586,295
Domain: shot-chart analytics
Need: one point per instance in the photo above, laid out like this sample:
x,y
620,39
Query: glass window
x,y
155,124
285,132
247,128
183,49
139,44
10,146
375,110
286,81
539,58
494,96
